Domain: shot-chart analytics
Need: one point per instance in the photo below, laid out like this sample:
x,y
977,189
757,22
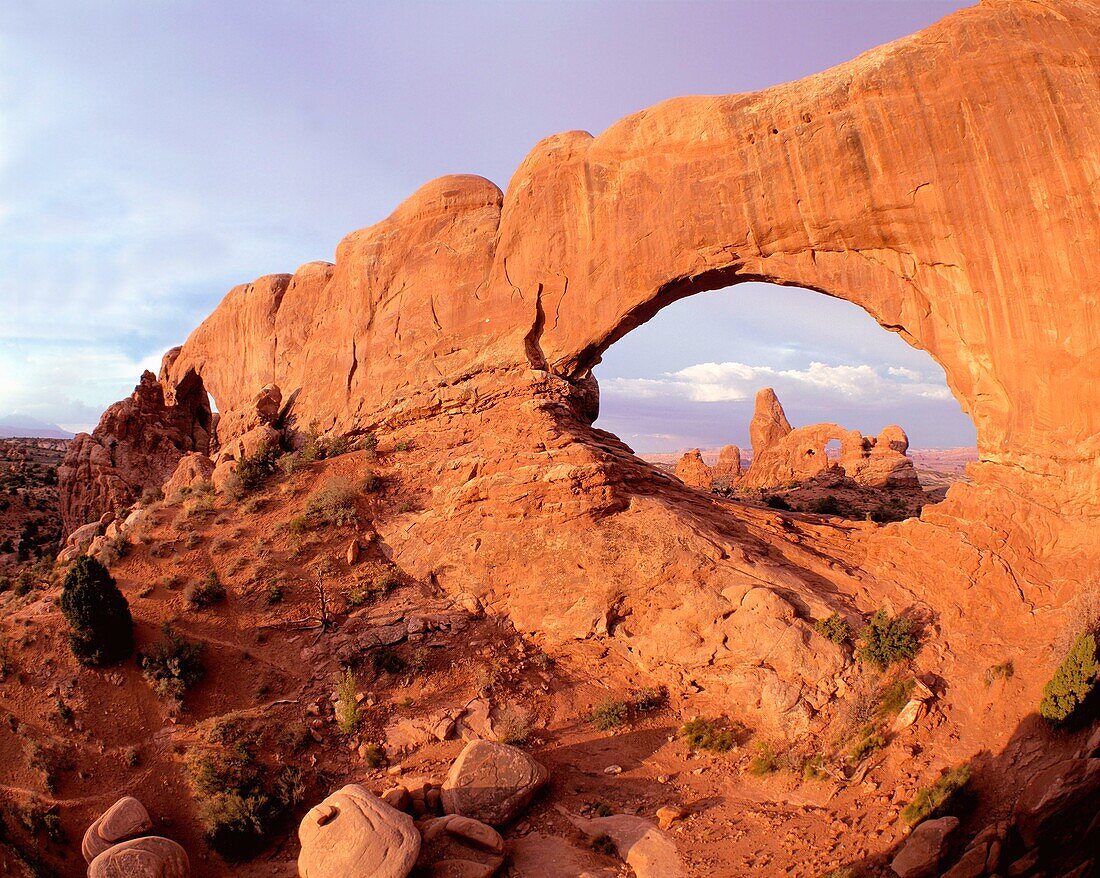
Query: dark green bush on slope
x,y
887,640
1072,682
101,630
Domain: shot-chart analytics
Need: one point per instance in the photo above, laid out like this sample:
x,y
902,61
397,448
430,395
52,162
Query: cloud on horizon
x,y
738,382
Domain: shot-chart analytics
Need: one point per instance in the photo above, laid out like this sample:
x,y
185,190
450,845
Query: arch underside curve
x,y
944,183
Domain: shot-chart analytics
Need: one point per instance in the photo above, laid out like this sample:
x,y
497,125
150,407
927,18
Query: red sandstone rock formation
x,y
782,455
693,472
469,321
136,446
769,424
728,469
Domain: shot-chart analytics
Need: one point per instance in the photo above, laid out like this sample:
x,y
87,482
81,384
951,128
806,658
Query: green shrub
x,y
318,447
243,801
649,699
608,714
206,593
6,663
101,630
870,739
254,470
274,593
886,640
513,729
372,755
765,762
347,706
813,767
937,799
371,484
774,501
604,844
1072,682
708,734
835,628
173,665
825,506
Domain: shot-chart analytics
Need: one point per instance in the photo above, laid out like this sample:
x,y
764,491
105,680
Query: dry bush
x,y
1084,618
334,504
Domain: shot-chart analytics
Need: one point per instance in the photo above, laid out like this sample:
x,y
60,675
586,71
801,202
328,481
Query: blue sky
x,y
154,153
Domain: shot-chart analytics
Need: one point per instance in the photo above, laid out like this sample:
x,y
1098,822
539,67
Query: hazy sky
x,y
154,153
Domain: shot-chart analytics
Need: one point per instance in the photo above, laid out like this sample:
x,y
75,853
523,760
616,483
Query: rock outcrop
x,y
769,425
727,471
693,472
782,455
137,445
470,320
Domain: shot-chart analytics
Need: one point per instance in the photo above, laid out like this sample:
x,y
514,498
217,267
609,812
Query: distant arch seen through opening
x,y
688,377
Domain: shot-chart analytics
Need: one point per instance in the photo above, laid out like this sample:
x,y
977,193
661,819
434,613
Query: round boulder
x,y
125,819
148,857
354,834
491,782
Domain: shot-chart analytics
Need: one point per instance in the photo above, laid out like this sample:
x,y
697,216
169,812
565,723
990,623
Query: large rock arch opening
x,y
945,183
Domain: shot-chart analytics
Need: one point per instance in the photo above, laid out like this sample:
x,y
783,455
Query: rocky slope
x,y
462,330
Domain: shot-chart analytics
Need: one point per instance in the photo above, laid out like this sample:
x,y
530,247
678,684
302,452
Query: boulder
x,y
492,782
354,834
267,404
247,444
147,857
926,847
648,850
193,467
125,819
971,864
459,846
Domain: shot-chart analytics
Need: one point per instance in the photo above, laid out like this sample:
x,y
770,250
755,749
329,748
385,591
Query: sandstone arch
x,y
945,183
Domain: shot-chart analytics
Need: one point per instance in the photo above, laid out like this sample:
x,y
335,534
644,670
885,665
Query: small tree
x,y
101,630
1072,682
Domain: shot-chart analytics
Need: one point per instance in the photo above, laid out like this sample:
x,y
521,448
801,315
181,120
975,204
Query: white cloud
x,y
738,382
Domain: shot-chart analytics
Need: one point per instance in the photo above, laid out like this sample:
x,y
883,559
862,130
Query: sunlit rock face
x,y
467,324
